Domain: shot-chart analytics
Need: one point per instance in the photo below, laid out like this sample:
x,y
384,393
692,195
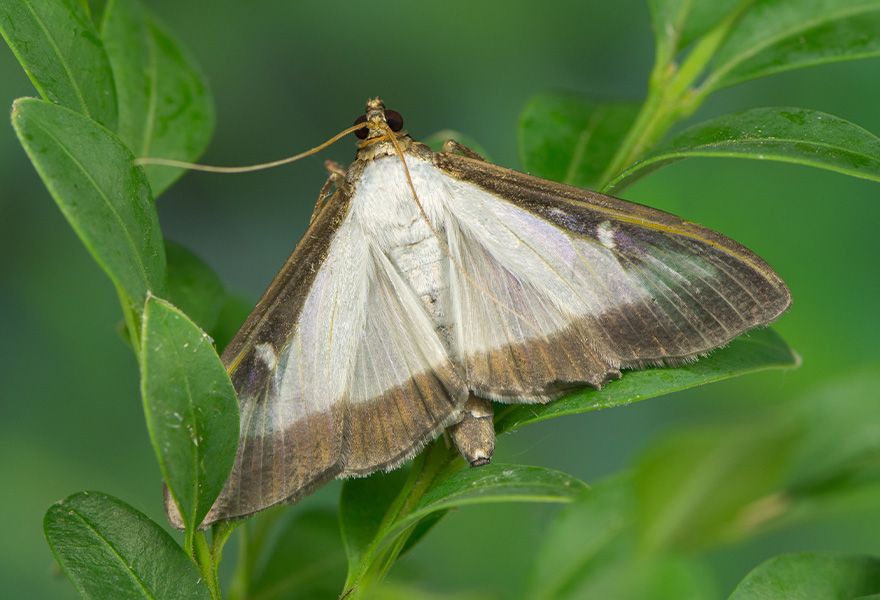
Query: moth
x,y
431,283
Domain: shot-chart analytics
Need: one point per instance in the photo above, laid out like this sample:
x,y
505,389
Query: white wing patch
x,y
266,353
605,234
364,333
314,368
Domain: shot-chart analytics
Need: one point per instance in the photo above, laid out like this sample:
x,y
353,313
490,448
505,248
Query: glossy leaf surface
x,y
760,349
106,199
60,50
793,135
110,550
191,408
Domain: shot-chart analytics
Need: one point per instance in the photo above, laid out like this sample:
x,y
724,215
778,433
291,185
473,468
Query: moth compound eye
x,y
363,132
394,120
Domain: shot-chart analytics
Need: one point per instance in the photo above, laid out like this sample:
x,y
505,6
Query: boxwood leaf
x,y
836,469
841,426
588,552
193,286
758,350
661,577
679,22
110,550
191,408
422,529
790,34
165,108
363,507
106,199
693,488
571,139
496,482
307,560
233,312
61,52
811,576
794,135
585,534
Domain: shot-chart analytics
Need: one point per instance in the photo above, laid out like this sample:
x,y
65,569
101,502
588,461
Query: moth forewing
x,y
429,282
683,289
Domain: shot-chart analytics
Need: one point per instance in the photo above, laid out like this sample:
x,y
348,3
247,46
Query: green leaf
x,y
191,409
794,135
841,421
110,550
193,286
363,507
372,516
493,483
836,468
811,576
645,578
233,312
589,552
695,488
679,22
165,108
397,590
758,350
422,528
57,45
307,561
790,34
106,199
570,139
585,535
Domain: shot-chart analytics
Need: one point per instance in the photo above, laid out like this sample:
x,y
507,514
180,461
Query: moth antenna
x,y
167,162
443,245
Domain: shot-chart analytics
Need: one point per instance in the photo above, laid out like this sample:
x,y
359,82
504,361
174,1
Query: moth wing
x,y
338,371
404,389
564,285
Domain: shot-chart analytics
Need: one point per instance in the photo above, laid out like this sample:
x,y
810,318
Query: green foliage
x,y
813,576
191,409
104,196
124,88
193,287
150,68
60,50
110,550
759,350
380,516
795,135
558,125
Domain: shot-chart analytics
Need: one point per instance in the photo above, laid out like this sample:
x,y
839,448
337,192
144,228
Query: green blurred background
x,y
288,75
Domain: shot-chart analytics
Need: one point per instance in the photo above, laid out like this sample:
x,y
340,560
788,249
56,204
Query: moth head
x,y
379,123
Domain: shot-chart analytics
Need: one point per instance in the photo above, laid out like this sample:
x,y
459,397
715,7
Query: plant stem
x,y
204,558
671,97
428,467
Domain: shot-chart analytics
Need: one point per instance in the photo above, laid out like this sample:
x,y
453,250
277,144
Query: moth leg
x,y
474,435
455,147
336,178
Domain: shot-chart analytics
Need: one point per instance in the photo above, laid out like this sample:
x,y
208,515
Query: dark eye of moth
x,y
363,131
394,120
